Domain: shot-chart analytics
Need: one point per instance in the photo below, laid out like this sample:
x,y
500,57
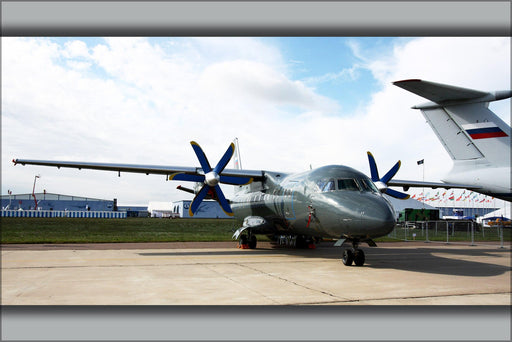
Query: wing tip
x,y
410,80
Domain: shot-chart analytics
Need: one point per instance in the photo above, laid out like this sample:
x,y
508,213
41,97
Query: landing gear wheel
x,y
252,241
300,242
348,257
243,241
359,257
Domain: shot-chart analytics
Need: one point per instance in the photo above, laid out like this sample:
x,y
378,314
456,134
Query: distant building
x,y
400,205
50,201
451,212
207,209
461,212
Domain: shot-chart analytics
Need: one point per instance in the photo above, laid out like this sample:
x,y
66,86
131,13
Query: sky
x,y
292,102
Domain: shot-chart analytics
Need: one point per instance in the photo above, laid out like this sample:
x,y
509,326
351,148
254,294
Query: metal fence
x,y
461,231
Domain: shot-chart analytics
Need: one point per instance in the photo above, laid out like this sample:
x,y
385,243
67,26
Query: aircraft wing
x,y
137,168
419,184
209,177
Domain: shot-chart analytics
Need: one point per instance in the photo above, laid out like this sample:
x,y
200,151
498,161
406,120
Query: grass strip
x,y
94,230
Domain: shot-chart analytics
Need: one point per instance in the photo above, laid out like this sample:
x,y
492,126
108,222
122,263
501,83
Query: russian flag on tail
x,y
483,130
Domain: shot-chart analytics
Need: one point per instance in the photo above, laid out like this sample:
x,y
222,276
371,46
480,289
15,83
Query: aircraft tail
x,y
462,121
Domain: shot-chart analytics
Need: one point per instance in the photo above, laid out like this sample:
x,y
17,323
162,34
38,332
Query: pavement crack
x,y
349,301
295,283
240,283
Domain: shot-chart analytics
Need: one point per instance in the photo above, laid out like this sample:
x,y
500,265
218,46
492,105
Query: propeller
x,y
382,183
211,178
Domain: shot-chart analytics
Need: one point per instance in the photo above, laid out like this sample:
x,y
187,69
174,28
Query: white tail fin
x,y
462,121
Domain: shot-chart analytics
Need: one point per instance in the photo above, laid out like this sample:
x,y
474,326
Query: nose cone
x,y
378,216
355,214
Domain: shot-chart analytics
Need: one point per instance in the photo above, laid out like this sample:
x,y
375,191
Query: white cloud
x,y
137,100
76,48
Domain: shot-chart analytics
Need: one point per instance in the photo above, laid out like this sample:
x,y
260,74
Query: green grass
x,y
94,230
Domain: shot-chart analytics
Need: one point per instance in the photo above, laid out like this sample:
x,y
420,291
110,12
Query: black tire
x,y
243,240
252,242
300,242
359,257
348,257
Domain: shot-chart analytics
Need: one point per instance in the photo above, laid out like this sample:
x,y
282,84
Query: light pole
x,y
33,190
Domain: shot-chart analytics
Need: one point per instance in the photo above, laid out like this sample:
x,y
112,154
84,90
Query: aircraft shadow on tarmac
x,y
422,260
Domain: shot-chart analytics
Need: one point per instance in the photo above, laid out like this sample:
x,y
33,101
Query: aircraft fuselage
x,y
332,202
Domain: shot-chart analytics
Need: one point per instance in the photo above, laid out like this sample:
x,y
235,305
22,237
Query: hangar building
x,y
207,209
50,201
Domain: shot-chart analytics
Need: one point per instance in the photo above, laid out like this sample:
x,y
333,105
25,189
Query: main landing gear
x,y
353,255
247,241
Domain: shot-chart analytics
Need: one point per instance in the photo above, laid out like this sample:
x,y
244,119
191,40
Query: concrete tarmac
x,y
410,273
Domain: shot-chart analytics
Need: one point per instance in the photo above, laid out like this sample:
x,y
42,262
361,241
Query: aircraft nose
x,y
354,214
378,214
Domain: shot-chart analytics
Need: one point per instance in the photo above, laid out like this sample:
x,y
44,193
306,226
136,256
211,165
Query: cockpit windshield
x,y
347,184
344,184
367,185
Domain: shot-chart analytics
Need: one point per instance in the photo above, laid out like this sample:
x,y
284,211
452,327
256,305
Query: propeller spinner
x,y
382,183
211,179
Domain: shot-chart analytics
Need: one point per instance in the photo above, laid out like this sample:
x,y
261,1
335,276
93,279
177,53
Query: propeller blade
x,y
223,201
198,199
232,180
373,167
205,165
391,173
225,159
397,194
187,177
382,183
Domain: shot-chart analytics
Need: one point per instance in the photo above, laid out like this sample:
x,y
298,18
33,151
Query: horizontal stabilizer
x,y
182,188
447,94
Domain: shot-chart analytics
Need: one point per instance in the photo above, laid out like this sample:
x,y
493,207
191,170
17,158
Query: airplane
x,y
476,139
297,209
333,201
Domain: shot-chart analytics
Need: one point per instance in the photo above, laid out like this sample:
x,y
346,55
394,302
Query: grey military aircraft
x,y
335,201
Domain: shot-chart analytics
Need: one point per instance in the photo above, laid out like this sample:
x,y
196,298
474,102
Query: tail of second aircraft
x,y
476,139
462,121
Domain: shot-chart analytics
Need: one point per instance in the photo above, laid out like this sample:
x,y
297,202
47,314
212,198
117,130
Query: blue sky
x,y
291,101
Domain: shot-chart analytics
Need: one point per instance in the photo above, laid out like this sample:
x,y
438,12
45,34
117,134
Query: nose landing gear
x,y
353,255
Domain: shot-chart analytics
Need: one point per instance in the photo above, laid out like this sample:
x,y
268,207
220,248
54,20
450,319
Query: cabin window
x,y
347,184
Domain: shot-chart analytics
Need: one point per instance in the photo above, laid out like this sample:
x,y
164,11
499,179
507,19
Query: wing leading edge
x,y
136,168
406,184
